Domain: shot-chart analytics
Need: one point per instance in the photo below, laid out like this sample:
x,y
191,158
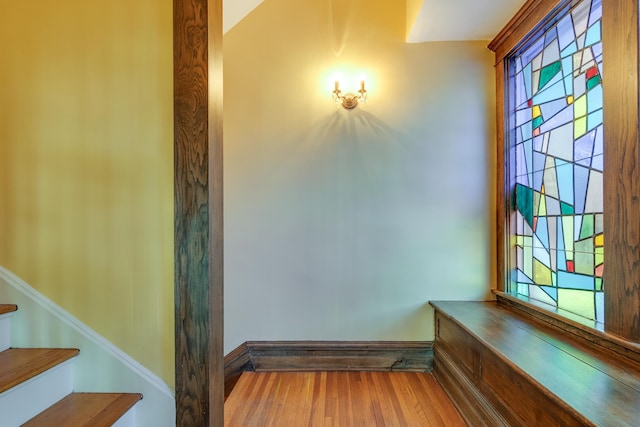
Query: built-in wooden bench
x,y
502,367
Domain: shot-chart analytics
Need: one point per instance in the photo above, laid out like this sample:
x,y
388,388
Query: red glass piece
x,y
571,267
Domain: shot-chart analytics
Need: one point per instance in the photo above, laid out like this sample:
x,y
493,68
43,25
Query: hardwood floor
x,y
389,399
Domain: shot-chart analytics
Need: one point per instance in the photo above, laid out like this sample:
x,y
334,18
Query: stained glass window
x,y
556,165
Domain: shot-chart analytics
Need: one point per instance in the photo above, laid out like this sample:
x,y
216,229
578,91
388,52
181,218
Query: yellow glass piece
x,y
580,107
599,256
569,99
580,127
541,273
599,239
537,112
542,210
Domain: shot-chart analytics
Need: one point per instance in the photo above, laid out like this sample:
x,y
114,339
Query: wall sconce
x,y
349,100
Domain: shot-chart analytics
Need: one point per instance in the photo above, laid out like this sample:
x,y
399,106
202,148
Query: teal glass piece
x,y
593,82
557,161
537,122
548,73
567,209
524,202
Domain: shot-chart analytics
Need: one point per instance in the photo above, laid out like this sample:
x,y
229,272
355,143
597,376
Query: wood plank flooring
x,y
389,399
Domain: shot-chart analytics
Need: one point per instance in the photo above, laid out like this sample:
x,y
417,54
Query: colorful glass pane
x,y
556,163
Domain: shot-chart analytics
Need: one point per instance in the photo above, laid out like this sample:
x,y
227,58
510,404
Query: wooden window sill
x,y
592,333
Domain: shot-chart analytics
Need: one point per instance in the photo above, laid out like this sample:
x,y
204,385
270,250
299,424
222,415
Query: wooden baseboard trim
x,y
341,356
407,356
235,363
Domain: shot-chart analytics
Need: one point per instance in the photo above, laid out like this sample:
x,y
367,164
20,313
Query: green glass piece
x,y
584,257
593,82
577,301
588,227
599,256
566,209
524,202
547,73
599,284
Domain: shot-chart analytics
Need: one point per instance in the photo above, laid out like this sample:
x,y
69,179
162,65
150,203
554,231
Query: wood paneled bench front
x,y
502,368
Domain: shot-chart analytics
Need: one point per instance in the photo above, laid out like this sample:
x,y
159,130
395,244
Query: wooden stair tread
x,y
7,308
17,365
86,409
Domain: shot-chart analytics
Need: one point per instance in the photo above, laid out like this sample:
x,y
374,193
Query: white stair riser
x,y
25,401
127,420
5,331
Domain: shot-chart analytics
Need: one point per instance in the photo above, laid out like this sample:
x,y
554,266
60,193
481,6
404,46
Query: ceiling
x,y
445,20
437,20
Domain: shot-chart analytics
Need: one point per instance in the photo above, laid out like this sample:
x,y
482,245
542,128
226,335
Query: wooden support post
x,y
198,212
622,168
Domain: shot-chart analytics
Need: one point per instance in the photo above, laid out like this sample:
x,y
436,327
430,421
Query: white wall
x,y
343,225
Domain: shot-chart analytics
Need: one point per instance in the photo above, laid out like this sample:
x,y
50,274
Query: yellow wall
x,y
86,214
342,225
413,9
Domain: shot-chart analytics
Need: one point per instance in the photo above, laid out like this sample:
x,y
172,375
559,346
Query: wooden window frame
x,y
621,155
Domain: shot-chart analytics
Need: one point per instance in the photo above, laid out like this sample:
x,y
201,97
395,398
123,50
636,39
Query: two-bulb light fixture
x,y
349,100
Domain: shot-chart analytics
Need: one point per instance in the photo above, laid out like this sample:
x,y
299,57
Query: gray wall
x,y
342,225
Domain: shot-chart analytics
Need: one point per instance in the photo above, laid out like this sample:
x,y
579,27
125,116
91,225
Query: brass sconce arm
x,y
349,100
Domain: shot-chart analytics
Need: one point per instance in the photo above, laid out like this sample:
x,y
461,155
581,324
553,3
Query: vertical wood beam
x,y
198,212
622,168
501,249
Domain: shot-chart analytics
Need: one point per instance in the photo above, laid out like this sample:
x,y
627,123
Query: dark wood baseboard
x,y
235,363
407,356
341,356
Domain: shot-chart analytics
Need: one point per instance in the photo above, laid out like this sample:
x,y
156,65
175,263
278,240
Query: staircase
x,y
36,388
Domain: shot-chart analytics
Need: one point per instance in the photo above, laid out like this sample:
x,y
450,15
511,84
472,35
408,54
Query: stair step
x,y
7,308
6,312
18,365
86,409
31,380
